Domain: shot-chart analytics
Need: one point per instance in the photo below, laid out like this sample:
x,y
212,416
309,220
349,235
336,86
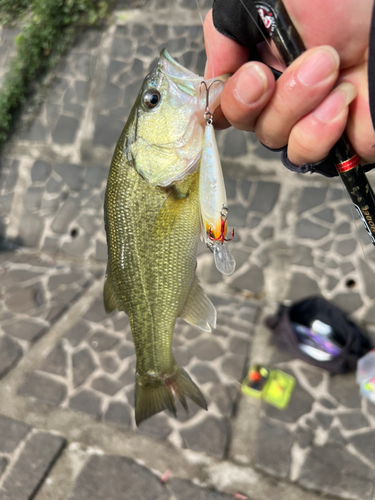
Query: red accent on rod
x,y
348,164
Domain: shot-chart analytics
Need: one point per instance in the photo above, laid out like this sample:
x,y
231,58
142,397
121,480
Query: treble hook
x,y
208,116
223,218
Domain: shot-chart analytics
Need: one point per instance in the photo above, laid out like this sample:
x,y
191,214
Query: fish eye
x,y
151,98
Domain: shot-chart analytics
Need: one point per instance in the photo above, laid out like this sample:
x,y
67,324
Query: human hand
x,y
321,94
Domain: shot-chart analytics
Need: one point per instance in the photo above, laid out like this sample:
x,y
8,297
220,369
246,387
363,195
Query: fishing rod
x,y
290,46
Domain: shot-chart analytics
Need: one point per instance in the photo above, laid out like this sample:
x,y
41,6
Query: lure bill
x,y
153,217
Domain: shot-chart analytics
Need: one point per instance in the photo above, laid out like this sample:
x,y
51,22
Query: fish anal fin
x,y
110,299
154,394
198,309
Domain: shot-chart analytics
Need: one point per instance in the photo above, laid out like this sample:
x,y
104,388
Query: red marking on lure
x,y
348,164
221,238
166,476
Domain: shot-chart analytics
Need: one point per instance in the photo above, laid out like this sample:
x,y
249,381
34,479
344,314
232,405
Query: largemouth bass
x,y
152,223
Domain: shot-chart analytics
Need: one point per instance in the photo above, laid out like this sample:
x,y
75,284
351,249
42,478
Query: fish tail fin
x,y
154,394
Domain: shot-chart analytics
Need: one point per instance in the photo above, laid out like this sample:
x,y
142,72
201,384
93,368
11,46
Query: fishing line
x,y
273,53
207,53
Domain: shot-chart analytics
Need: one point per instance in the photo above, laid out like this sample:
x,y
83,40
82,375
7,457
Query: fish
x,y
152,221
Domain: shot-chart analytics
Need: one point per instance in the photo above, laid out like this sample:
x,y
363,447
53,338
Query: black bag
x,y
352,340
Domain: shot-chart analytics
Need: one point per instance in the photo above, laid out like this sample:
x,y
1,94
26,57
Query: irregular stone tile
x,y
300,404
77,333
324,419
231,187
327,403
71,174
106,477
304,436
128,376
121,48
53,185
224,397
209,436
308,229
30,230
125,351
37,132
348,302
108,363
206,349
302,286
161,31
101,253
32,466
157,427
238,345
18,276
182,355
78,246
311,197
33,198
208,273
333,470
240,256
343,228
237,216
314,377
364,443
326,214
3,465
115,68
302,255
10,354
83,365
234,366
353,420
274,442
251,280
185,490
106,385
118,413
56,361
331,282
56,311
44,388
368,279
110,96
265,198
12,432
67,212
345,390
234,144
266,233
346,247
203,373
65,130
86,402
29,330
59,280
94,175
102,341
107,130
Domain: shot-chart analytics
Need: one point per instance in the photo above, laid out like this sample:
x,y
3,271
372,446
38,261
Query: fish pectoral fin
x,y
110,299
199,310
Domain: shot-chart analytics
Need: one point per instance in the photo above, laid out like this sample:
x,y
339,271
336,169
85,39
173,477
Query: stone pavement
x,y
67,427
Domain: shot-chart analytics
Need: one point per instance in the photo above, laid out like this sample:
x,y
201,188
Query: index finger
x,y
224,55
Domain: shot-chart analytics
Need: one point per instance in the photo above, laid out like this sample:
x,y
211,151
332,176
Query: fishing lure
x,y
213,198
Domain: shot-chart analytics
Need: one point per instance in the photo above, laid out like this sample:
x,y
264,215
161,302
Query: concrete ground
x,y
67,427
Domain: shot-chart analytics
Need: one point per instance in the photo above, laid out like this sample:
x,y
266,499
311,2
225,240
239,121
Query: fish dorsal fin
x,y
110,300
199,310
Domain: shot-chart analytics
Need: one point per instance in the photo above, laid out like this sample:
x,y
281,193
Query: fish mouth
x,y
190,82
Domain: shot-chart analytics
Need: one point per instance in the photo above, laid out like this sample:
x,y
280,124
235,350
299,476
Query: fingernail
x,y
318,66
251,84
341,97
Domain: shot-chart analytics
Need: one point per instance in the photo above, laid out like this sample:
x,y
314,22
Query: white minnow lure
x,y
213,199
